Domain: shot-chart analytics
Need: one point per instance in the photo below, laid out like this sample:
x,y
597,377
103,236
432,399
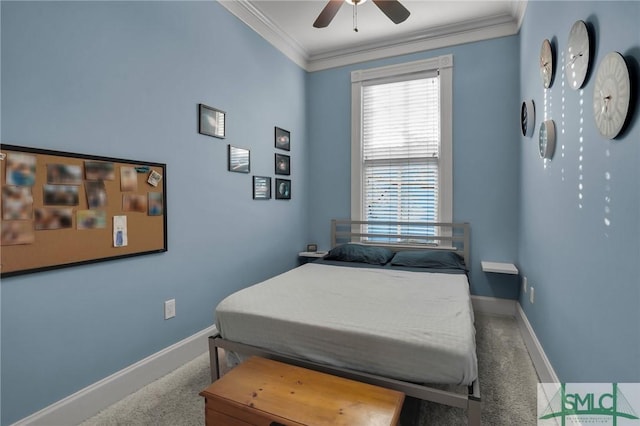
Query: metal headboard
x,y
433,235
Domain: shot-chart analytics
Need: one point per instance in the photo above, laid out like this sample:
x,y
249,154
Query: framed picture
x,y
283,164
238,160
312,248
261,188
211,121
283,189
283,139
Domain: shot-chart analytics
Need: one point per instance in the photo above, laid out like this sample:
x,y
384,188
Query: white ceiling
x,y
288,25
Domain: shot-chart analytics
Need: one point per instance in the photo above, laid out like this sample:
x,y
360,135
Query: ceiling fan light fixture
x,y
392,8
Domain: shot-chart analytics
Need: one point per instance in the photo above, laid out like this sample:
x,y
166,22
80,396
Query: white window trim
x,y
359,78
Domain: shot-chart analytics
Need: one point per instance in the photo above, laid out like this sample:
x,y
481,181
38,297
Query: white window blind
x,y
400,153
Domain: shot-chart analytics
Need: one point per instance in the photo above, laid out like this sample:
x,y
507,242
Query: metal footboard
x,y
471,402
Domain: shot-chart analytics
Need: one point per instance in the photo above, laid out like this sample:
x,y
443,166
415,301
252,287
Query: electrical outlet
x,y
169,309
524,284
531,295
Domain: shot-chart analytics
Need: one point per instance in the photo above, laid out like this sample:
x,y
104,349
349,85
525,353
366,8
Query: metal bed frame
x,y
457,238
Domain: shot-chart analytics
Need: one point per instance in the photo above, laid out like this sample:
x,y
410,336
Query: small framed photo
x,y
261,188
212,121
238,160
283,139
312,248
283,189
283,164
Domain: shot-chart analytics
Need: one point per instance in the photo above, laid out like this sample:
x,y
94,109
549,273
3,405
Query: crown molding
x,y
433,38
261,24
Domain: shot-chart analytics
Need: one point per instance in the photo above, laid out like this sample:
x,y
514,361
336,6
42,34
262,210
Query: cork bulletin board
x,y
62,209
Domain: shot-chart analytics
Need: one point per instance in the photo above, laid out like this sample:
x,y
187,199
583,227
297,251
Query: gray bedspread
x,y
412,326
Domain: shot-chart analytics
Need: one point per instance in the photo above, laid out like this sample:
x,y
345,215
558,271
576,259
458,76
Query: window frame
x,y
442,65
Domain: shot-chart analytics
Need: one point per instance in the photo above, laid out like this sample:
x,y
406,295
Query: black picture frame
x,y
283,189
212,121
261,188
238,159
282,164
312,248
282,139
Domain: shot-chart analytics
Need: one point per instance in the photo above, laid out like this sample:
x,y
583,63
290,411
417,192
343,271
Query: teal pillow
x,y
437,259
360,253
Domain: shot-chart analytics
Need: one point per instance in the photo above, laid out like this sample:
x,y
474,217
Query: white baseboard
x,y
543,367
89,401
493,305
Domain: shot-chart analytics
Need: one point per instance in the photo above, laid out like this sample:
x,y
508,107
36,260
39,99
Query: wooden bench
x,y
265,392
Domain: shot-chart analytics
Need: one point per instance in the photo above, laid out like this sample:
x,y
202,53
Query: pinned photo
x,y
91,219
16,232
21,169
154,178
99,170
61,195
17,203
128,178
156,207
96,194
134,203
64,174
53,218
120,238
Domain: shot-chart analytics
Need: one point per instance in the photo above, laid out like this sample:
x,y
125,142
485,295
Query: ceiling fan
x,y
392,8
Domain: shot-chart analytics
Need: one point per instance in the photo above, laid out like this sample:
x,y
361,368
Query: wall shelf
x,y
499,268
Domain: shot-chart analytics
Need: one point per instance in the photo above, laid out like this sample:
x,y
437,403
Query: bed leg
x,y
213,360
473,412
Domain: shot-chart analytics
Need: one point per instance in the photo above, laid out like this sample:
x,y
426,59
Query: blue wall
x,y
485,151
584,271
123,79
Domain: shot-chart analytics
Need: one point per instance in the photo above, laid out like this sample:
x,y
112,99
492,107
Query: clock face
x,y
577,55
611,95
546,63
547,140
527,118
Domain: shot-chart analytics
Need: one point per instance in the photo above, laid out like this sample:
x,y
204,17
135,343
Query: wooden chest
x,y
265,392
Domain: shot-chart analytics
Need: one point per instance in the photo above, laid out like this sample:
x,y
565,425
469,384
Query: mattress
x,y
411,326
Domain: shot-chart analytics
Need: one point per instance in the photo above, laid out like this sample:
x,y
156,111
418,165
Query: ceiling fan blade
x,y
393,9
328,13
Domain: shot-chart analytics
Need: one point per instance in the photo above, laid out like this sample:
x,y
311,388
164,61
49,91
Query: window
x,y
401,146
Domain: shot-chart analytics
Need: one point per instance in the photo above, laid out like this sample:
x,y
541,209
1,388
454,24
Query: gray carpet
x,y
507,385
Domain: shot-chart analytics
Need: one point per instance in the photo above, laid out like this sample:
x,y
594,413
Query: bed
x,y
382,307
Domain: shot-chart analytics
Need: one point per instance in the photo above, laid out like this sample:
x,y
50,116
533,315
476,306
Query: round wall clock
x,y
547,142
527,118
546,63
611,95
577,55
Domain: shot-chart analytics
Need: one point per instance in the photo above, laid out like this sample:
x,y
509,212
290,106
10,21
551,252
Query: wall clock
x,y
577,55
546,63
547,142
527,118
611,95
